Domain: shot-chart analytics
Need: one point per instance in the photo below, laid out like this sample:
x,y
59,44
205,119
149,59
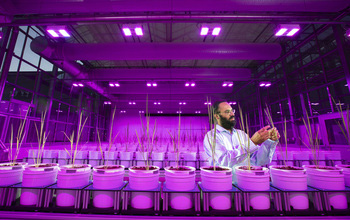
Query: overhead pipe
x,y
157,51
72,68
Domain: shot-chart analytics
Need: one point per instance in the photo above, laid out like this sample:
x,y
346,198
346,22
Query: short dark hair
x,y
215,106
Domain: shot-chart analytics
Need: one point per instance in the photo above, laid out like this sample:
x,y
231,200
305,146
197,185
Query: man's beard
x,y
226,123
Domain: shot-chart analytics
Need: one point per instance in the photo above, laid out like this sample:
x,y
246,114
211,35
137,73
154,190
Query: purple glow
x,y
159,112
138,31
187,84
234,103
348,32
111,85
281,31
154,84
149,84
141,111
1,34
293,31
204,31
123,111
107,103
64,33
198,112
132,103
178,112
224,84
267,84
230,84
52,33
182,103
117,84
262,84
216,31
207,103
80,85
193,84
127,31
74,84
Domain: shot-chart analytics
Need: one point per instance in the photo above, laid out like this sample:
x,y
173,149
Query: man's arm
x,y
225,155
265,152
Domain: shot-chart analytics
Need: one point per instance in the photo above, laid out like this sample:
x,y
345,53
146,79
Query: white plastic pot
x,y
50,156
256,180
69,177
204,159
157,159
190,158
346,172
11,174
328,179
126,158
219,181
81,157
141,158
143,180
180,180
106,179
173,157
63,157
302,156
292,180
109,157
41,176
94,158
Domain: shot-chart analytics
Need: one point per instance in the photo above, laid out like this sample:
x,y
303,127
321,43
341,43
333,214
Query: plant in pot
x,y
345,129
107,176
143,178
125,154
180,178
216,178
255,178
323,177
12,171
289,177
72,175
38,174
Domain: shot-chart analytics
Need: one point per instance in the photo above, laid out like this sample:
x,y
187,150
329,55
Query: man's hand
x,y
260,136
274,134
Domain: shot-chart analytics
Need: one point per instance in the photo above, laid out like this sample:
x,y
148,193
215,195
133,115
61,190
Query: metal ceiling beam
x,y
105,6
156,51
169,74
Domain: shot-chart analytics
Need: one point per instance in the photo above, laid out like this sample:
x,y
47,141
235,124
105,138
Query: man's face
x,y
226,116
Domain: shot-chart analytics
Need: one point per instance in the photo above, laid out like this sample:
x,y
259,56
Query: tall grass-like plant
x,y
345,121
270,121
110,142
313,142
148,147
12,157
42,138
245,138
212,137
74,149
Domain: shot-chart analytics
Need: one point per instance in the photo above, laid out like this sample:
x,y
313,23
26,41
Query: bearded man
x,y
231,145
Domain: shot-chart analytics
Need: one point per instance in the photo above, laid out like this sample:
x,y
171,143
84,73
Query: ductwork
x,y
112,6
156,51
170,74
72,68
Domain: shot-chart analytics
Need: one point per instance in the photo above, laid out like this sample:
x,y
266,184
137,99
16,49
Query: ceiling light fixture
x,y
288,30
227,84
107,103
214,29
58,31
130,29
265,84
